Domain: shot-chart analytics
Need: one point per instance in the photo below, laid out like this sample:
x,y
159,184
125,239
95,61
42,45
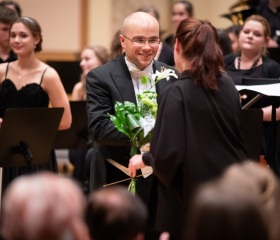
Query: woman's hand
x,y
135,163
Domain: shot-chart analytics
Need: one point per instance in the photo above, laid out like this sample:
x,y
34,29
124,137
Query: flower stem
x,y
134,151
132,186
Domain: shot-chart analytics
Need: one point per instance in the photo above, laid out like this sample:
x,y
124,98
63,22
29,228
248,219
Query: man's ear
x,y
121,37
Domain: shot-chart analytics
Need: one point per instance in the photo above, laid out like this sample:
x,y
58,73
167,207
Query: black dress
x,y
269,69
196,136
30,96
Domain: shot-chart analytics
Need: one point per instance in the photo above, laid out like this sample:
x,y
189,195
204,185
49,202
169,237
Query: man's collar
x,y
133,68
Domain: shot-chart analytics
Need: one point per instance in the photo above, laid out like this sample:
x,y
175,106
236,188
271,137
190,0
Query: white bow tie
x,y
138,73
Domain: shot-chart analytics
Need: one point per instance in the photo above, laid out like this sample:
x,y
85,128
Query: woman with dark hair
x,y
224,42
180,10
30,83
197,132
233,33
116,46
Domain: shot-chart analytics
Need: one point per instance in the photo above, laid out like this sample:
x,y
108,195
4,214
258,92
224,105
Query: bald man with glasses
x,y
120,80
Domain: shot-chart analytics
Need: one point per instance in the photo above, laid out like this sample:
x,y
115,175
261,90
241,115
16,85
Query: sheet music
x,y
268,90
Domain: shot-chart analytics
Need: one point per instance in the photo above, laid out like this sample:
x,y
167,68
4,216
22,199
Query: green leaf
x,y
120,113
132,121
132,186
145,79
134,151
137,136
119,125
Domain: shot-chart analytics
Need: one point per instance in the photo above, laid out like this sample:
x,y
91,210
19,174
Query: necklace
x,y
253,65
19,72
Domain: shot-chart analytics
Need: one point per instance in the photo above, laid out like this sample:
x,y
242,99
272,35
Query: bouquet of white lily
x,y
137,122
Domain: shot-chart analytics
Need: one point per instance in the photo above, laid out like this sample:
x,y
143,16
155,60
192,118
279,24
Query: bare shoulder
x,y
78,86
50,74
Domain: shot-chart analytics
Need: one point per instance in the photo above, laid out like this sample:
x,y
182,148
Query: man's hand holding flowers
x,y
137,122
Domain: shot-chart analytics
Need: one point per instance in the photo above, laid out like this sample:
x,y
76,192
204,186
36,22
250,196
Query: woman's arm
x,y
77,92
267,113
58,97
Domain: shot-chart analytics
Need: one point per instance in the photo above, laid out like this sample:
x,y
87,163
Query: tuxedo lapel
x,y
123,82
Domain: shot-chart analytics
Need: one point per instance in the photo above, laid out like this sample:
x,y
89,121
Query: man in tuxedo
x,y
120,80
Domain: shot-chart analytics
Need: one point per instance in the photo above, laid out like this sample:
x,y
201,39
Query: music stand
x,y
27,136
274,53
251,128
77,135
275,102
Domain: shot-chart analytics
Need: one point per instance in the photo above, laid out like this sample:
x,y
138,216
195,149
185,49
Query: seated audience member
x,y
224,42
233,33
242,204
43,206
265,188
7,17
12,5
165,52
114,213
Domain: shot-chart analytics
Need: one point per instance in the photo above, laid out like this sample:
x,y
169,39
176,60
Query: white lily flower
x,y
147,123
164,73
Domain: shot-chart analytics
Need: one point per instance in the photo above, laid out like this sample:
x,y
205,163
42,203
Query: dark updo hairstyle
x,y
35,29
199,41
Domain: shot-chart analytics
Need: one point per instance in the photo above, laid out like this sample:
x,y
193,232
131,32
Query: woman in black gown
x,y
253,62
30,83
197,132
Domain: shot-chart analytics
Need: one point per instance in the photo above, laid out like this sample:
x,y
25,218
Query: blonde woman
x,y
91,57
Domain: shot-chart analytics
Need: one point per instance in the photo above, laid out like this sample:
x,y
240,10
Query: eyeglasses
x,y
140,41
